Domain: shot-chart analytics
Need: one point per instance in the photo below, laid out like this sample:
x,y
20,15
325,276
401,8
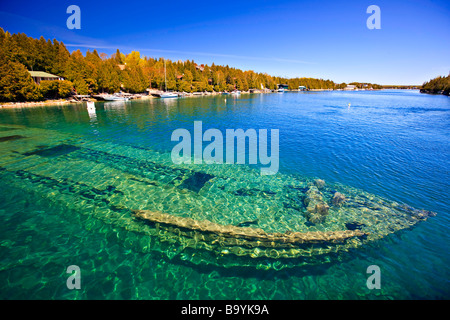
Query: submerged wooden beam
x,y
257,236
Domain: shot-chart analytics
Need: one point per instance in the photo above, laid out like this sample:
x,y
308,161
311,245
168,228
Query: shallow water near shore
x,y
70,177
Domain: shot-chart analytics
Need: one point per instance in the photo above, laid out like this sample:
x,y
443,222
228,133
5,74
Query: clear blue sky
x,y
322,39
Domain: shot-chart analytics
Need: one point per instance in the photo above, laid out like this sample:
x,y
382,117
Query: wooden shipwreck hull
x,y
101,182
243,241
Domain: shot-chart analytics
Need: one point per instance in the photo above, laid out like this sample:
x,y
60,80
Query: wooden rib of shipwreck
x,y
229,235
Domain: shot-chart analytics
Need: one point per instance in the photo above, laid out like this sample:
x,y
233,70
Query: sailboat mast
x,y
165,84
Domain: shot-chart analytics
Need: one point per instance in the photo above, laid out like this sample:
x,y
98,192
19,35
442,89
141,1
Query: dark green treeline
x,y
438,85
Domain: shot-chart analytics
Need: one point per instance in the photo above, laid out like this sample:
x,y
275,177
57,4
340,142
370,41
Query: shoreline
x,y
435,92
11,105
36,103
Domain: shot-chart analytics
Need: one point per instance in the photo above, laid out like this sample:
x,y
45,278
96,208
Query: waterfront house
x,y
350,87
283,86
38,76
302,88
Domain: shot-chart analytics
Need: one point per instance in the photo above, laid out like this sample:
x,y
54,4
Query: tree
x,y
49,89
61,59
52,89
183,86
437,85
109,76
118,57
134,80
81,87
65,88
2,36
16,83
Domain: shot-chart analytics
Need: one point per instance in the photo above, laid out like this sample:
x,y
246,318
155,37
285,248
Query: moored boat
x,y
168,95
111,97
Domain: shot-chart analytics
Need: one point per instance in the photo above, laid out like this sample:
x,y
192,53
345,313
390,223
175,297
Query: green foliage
x,y
437,85
230,87
49,89
81,87
64,88
134,80
184,86
118,57
52,89
109,77
16,83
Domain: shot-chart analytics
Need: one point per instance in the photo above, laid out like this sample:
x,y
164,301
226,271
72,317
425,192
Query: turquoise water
x,y
70,177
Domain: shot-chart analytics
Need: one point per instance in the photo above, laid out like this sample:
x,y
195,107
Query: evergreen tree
x,y
16,83
109,76
49,89
118,57
64,88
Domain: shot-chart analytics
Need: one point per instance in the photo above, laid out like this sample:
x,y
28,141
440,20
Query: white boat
x,y
166,94
281,90
236,92
113,97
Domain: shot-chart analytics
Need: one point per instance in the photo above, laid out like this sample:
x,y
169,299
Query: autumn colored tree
x,y
16,83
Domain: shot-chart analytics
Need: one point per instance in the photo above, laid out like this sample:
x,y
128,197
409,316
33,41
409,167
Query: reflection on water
x,y
91,110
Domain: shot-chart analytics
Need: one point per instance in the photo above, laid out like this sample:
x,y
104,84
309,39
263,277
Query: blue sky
x,y
321,39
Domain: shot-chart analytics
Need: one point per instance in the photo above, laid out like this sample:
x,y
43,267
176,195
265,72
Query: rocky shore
x,y
36,103
431,91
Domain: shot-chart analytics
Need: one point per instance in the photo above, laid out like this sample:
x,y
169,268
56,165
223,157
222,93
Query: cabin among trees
x,y
39,76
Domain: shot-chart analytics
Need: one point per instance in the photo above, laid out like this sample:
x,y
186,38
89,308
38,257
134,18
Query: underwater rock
x,y
319,183
316,207
338,199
